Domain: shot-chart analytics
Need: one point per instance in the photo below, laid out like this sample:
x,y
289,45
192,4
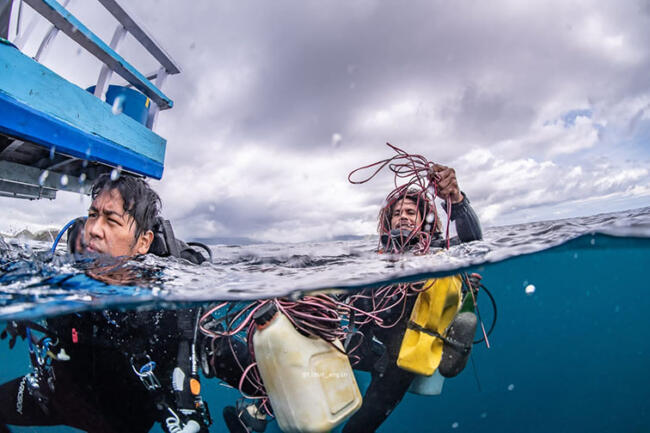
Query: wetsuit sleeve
x,y
468,226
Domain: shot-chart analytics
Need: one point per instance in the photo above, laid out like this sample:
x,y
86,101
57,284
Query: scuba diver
x,y
113,371
409,222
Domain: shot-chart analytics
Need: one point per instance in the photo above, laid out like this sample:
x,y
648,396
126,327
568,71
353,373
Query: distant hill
x,y
42,235
225,240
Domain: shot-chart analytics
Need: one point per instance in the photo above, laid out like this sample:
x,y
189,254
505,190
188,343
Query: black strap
x,y
414,326
170,239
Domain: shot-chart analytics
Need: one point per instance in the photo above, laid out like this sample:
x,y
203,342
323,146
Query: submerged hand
x,y
14,329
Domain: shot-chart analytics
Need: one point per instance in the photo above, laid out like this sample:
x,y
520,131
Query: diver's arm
x,y
468,226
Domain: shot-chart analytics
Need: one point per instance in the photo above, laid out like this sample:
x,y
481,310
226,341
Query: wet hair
x,y
416,196
140,201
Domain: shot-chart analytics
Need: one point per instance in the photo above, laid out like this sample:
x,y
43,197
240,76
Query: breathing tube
x,y
60,235
494,320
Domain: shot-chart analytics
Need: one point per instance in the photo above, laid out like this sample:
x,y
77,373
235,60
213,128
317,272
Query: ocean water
x,y
570,351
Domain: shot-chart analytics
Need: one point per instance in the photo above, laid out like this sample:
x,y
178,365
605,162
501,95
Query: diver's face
x,y
110,229
405,215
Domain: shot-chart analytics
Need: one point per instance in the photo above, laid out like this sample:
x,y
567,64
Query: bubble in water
x,y
64,179
52,151
455,425
593,242
484,415
530,289
118,104
115,173
336,139
43,177
84,163
430,217
511,387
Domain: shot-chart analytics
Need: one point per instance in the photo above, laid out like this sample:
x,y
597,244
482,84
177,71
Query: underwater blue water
x,y
570,356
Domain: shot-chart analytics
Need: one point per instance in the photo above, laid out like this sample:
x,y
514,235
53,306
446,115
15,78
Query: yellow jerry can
x,y
432,313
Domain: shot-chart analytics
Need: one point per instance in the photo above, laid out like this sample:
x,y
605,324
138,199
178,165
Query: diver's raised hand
x,y
445,178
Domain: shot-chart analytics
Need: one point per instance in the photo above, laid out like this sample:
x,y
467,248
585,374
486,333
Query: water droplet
x,y
118,105
74,29
336,139
575,255
82,177
530,289
212,208
43,177
115,173
192,46
64,179
484,415
593,241
79,51
427,227
52,151
430,217
617,309
511,387
455,425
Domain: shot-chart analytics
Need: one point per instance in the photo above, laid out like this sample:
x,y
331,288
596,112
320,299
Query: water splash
x,y
118,105
116,173
336,140
43,177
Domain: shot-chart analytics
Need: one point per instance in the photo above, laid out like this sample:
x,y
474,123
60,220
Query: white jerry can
x,y
310,384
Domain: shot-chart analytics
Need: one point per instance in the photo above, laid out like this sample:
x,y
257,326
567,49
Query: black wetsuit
x,y
97,390
389,383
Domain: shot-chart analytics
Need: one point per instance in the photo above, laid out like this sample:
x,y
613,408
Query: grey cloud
x,y
284,76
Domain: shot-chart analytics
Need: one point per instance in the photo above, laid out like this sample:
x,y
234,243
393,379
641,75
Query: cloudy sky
x,y
543,108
